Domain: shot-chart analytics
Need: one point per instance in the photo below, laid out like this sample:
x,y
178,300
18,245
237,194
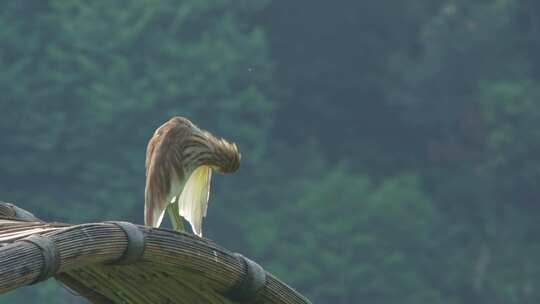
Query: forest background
x,y
391,149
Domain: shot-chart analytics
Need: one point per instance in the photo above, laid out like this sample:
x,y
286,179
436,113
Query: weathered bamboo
x,y
175,267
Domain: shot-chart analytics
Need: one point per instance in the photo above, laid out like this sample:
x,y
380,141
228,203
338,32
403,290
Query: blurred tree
x,y
84,85
332,67
470,97
431,106
365,241
444,89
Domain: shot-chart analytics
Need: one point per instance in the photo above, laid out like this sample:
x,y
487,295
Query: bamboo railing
x,y
118,262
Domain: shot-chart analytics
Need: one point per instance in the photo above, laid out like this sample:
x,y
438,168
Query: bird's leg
x,y
174,215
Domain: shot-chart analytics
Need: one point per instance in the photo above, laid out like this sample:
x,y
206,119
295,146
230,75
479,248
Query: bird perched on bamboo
x,y
179,161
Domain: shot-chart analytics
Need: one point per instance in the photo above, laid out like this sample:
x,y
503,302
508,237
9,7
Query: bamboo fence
x,y
119,262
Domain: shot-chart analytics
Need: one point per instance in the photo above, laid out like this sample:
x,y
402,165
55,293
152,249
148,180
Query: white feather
x,y
171,198
193,201
158,217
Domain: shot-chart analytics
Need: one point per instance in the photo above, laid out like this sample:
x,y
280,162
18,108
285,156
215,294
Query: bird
x,y
180,158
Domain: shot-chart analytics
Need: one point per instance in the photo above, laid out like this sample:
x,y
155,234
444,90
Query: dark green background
x,y
391,149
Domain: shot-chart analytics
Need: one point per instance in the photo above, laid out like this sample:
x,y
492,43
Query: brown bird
x,y
179,161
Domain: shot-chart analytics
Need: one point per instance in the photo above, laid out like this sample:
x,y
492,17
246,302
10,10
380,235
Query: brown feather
x,y
176,149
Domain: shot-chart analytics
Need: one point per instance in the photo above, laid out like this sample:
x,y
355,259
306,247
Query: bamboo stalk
x,y
175,267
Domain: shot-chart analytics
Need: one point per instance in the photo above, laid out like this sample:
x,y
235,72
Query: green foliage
x,y
46,292
375,236
389,148
103,77
86,83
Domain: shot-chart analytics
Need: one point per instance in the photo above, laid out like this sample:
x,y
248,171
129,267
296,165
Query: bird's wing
x,y
157,187
150,152
154,194
151,214
193,201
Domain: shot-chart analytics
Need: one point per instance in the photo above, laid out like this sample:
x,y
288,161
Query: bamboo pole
x,y
174,268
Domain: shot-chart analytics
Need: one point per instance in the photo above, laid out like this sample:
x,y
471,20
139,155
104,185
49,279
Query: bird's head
x,y
226,158
201,148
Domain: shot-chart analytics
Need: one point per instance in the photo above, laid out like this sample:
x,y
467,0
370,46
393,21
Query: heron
x,y
180,158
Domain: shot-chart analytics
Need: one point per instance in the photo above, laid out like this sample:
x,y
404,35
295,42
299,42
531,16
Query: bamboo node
x,y
49,253
136,243
248,287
